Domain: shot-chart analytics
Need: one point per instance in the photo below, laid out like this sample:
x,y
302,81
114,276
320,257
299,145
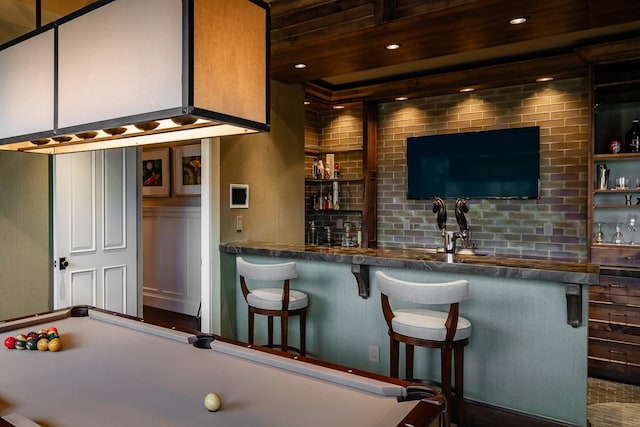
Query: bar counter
x,y
528,349
429,260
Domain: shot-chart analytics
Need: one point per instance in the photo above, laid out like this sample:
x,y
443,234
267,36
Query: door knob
x,y
63,263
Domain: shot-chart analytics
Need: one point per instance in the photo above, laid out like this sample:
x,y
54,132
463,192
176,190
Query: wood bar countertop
x,y
429,260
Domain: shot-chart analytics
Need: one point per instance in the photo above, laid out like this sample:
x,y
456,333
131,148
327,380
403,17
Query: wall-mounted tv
x,y
488,164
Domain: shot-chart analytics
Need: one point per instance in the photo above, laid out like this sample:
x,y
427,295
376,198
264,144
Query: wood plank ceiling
x,y
445,44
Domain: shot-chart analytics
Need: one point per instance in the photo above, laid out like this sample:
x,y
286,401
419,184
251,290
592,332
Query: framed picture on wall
x,y
156,180
187,170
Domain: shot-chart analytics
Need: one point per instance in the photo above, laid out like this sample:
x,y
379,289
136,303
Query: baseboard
x,y
478,414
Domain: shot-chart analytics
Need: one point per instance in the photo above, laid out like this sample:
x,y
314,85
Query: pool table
x,y
117,370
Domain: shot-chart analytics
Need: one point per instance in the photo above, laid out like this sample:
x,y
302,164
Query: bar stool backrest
x,y
423,293
266,272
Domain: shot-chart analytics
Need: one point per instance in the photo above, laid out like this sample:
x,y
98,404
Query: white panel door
x,y
95,220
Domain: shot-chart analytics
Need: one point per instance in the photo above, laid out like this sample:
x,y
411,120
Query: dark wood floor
x,y
170,319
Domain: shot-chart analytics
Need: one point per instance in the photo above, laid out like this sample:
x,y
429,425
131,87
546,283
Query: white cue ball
x,y
212,402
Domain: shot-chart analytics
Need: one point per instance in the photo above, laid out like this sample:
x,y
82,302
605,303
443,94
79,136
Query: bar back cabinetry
x,y
614,304
320,195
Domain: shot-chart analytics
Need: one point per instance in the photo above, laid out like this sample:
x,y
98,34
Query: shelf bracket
x,y
573,293
361,273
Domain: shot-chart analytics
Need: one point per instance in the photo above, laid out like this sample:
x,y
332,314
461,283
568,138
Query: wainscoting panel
x,y
171,260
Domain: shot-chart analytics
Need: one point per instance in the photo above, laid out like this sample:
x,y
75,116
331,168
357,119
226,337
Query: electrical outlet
x,y
406,224
374,353
239,223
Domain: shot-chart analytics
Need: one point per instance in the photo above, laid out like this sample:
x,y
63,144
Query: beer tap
x,y
465,234
440,210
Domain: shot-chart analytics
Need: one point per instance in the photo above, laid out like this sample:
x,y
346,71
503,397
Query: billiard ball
x,y
52,335
55,344
43,344
21,342
212,402
32,344
52,329
10,343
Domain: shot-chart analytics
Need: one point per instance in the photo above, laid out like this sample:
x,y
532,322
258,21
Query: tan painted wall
x,y
273,165
24,234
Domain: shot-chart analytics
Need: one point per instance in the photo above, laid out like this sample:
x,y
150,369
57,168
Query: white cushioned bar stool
x,y
281,302
428,328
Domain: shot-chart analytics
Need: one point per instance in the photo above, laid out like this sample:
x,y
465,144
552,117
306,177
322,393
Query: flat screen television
x,y
488,164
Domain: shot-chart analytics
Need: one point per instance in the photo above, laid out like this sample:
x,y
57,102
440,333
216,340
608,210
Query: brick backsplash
x,y
501,227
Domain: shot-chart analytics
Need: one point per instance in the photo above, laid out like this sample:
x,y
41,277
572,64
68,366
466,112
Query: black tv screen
x,y
488,164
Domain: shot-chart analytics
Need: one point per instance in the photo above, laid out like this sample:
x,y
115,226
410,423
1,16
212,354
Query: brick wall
x,y
501,227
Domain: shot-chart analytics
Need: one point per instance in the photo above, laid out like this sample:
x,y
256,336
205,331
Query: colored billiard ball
x,y
21,342
32,344
55,344
52,329
52,335
212,402
10,343
43,344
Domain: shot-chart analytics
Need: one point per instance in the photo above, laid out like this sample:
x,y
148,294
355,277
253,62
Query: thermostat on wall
x,y
238,196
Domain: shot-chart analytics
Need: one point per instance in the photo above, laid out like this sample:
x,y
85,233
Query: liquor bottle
x,y
633,138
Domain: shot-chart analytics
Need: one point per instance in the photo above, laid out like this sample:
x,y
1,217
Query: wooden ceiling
x,y
445,44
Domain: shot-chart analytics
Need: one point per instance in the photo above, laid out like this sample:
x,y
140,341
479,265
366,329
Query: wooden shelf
x,y
328,181
614,157
314,149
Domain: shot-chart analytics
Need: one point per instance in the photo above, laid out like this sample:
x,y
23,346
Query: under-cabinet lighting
x,y
467,89
544,79
401,98
166,131
519,20
300,66
393,46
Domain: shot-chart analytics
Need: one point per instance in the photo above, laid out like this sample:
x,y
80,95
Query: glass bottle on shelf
x,y
598,237
632,140
617,238
632,227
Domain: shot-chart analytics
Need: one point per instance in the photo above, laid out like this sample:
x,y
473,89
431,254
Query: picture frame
x,y
156,173
187,170
238,196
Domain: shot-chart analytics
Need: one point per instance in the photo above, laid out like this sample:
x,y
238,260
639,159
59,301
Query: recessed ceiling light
x,y
401,98
519,20
467,89
392,46
300,66
544,79
338,107
307,102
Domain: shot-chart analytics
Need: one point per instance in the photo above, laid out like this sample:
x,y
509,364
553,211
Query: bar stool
x,y
273,302
429,328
